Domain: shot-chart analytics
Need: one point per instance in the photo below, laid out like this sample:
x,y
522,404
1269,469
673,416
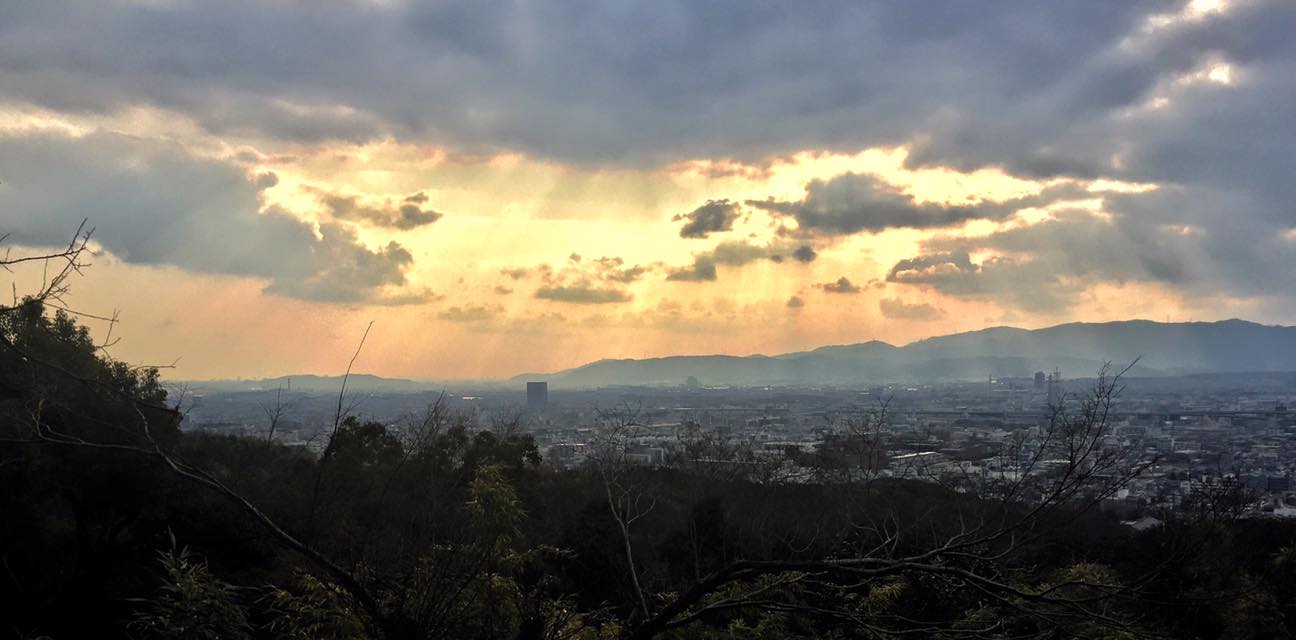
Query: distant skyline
x,y
532,186
1160,349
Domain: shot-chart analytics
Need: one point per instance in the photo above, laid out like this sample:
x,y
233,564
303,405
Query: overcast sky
x,y
527,186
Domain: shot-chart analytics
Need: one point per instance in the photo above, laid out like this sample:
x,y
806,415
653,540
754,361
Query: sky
x,y
519,186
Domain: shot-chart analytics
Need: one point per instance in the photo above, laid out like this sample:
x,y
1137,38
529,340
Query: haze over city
x,y
515,187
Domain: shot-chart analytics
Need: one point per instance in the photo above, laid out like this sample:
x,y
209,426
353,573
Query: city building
x,y
537,396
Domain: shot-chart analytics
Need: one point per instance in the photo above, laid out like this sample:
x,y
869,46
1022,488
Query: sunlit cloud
x,y
1109,162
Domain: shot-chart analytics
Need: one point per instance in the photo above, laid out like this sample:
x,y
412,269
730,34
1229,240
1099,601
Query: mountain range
x,y
1080,349
1077,349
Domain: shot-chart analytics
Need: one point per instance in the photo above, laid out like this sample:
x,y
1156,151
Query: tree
x,y
193,604
982,555
416,527
62,392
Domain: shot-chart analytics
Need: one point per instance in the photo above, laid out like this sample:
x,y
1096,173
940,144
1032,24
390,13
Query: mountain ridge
x,y
1177,348
1077,348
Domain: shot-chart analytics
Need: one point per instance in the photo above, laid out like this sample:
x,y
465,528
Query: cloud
x,y
804,253
583,271
703,269
502,290
582,295
737,253
795,302
1080,89
852,203
405,215
714,216
1174,237
612,269
552,80
153,203
349,272
842,285
470,313
1016,80
925,268
898,309
1135,91
582,280
1017,282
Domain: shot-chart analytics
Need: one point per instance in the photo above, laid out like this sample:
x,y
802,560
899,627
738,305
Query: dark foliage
x,y
450,533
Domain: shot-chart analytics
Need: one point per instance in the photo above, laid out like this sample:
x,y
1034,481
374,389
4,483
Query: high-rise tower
x,y
537,395
1055,388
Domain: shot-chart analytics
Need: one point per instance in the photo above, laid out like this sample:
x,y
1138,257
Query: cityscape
x,y
1194,432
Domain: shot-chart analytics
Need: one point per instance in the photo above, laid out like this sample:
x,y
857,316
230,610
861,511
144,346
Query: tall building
x,y
1055,388
537,395
1039,380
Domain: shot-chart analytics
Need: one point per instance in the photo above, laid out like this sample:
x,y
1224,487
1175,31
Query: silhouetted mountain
x,y
1079,349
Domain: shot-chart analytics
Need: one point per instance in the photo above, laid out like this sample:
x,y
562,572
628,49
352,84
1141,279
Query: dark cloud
x,y
1013,282
852,202
1021,283
408,214
898,309
1095,119
714,216
1176,237
349,272
795,302
703,269
412,215
502,290
921,268
805,253
583,294
592,81
154,203
265,181
737,253
1072,88
842,285
1038,88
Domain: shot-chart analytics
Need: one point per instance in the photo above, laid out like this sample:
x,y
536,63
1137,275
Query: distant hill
x,y
358,382
1078,349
